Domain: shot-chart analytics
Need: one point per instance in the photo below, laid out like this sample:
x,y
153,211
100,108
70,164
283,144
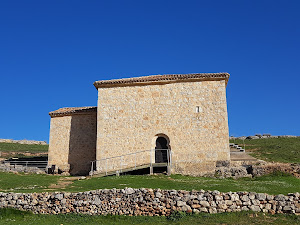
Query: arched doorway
x,y
161,152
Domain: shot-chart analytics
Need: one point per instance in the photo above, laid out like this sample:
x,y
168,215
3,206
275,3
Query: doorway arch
x,y
162,147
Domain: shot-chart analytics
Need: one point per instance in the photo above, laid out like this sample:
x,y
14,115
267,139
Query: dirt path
x,y
236,155
62,183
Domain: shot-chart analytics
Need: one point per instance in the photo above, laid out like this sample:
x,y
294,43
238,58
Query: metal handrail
x,y
127,154
169,161
26,162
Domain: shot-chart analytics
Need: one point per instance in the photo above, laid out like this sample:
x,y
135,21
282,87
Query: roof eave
x,y
161,79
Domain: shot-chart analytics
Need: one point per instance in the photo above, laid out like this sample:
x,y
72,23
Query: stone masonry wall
x,y
193,115
149,202
59,142
73,143
82,143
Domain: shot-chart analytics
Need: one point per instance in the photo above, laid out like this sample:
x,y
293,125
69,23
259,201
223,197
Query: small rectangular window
x,y
197,109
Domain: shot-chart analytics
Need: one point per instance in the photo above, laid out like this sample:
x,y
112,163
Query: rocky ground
x,y
27,142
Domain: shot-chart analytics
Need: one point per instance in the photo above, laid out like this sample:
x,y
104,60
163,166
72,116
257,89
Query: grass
x,y
23,147
12,216
286,150
273,184
10,182
19,150
279,150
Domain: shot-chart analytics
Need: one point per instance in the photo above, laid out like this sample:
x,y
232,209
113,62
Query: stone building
x,y
179,121
73,133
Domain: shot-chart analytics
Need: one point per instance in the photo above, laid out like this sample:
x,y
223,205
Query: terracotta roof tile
x,y
73,110
161,79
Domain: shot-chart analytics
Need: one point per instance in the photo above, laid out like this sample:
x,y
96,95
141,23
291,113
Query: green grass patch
x,y
286,150
10,182
15,147
272,184
12,216
10,150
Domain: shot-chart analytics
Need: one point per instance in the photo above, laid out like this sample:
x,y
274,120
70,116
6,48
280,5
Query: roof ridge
x,y
160,78
73,110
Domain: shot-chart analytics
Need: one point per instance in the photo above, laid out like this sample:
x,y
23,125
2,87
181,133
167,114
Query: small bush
x,y
176,215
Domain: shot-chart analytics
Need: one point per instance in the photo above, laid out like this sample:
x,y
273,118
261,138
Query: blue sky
x,y
51,52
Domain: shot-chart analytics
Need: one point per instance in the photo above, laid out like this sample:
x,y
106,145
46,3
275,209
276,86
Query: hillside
x,y
22,150
283,149
286,150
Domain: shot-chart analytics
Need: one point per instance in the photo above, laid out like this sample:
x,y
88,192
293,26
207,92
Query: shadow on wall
x,y
82,146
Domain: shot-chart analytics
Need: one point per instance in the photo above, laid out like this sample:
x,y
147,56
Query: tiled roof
x,y
168,78
73,110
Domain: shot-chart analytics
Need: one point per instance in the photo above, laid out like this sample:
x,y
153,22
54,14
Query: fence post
x,y
168,162
121,164
92,168
106,167
151,167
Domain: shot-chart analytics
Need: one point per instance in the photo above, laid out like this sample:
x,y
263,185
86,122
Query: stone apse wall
x,y
191,114
72,144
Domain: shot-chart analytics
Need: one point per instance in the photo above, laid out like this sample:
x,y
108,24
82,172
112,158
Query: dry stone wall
x,y
149,202
7,167
257,170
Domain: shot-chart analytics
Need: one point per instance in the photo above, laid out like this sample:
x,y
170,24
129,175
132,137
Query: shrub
x,y
176,215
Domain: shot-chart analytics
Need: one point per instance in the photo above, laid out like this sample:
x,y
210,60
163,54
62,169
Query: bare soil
x,y
62,183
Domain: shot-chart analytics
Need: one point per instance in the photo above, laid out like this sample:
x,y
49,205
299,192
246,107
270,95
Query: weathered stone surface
x,y
235,172
196,206
235,197
186,208
255,208
158,195
280,197
7,167
204,203
267,168
261,196
228,202
129,191
134,114
180,203
245,198
72,142
138,113
143,201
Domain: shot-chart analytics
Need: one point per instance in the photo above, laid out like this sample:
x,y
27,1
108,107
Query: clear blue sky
x,y
51,52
